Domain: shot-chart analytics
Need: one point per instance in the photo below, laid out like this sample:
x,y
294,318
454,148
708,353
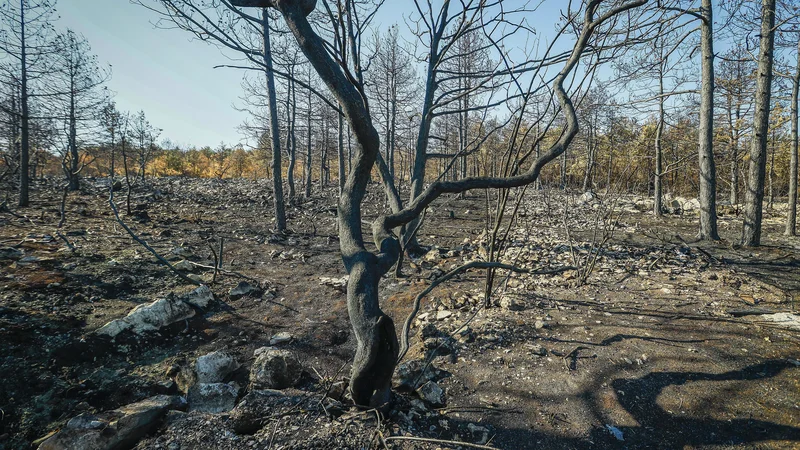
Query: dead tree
x,y
144,135
708,176
393,85
754,195
77,85
246,36
26,40
377,344
736,85
441,31
791,217
277,183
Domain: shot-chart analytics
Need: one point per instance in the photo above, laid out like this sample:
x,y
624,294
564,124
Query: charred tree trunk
x,y
376,341
754,195
277,179
590,150
308,167
423,135
791,218
771,176
323,170
393,129
658,195
291,138
24,149
340,152
610,159
420,158
708,176
734,149
74,181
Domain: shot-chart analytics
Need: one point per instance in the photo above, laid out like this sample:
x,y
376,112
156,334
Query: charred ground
x,y
653,345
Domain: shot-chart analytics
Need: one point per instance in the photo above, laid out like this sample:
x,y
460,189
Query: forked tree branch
x,y
385,223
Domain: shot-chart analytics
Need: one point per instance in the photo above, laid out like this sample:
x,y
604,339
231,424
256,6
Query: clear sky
x,y
160,71
171,77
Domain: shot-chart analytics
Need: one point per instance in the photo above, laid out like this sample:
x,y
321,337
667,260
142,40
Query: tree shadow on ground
x,y
781,273
661,429
640,400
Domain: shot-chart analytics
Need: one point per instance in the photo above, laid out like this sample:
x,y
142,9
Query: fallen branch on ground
x,y
224,271
144,244
438,441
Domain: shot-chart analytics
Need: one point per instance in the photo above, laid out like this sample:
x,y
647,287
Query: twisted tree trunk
x,y
377,345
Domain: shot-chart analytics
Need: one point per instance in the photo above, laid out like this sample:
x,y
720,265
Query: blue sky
x,y
160,71
171,77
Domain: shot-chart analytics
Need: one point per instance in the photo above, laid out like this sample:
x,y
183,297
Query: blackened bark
x,y
590,151
340,153
74,181
24,153
708,176
376,340
754,195
791,218
308,168
291,139
658,195
277,179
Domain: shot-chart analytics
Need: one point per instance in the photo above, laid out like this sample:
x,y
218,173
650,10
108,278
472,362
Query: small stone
x,y
244,289
149,317
432,393
214,367
275,369
212,397
419,405
410,375
512,304
539,324
430,330
441,345
113,429
337,390
441,315
185,378
538,350
182,252
280,338
587,197
466,336
11,253
200,297
255,410
184,265
195,277
482,433
167,387
82,406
